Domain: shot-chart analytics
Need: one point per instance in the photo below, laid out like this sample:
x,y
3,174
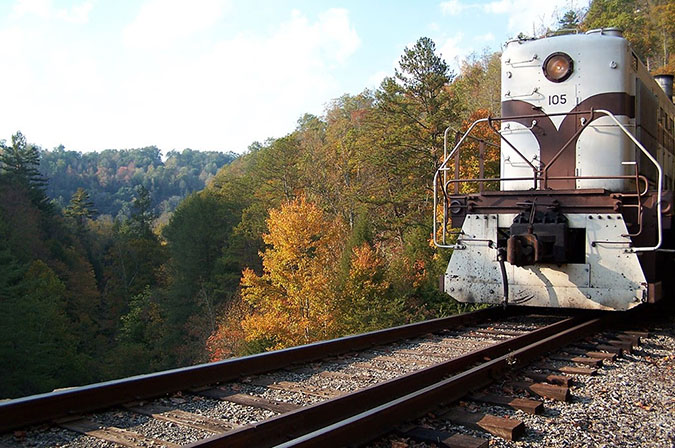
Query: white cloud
x,y
452,7
45,9
376,78
77,13
452,51
40,8
524,15
337,33
232,92
487,37
249,87
504,6
159,23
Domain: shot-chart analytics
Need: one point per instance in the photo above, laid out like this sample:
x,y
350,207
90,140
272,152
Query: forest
x,y
320,233
110,177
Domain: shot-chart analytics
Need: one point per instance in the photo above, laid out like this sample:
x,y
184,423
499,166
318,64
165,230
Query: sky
x,y
218,75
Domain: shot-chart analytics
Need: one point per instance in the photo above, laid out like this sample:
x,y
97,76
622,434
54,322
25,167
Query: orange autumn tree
x,y
294,300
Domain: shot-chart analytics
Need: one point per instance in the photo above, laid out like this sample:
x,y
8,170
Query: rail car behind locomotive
x,y
580,215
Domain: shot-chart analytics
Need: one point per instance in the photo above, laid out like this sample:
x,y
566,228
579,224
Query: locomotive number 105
x,y
557,99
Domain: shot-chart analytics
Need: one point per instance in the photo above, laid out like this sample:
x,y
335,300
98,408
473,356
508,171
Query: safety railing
x,y
541,179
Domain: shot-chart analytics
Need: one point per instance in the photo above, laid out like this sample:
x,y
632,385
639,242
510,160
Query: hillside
x,y
111,176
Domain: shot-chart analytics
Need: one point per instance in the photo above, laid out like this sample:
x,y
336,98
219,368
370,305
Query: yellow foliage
x,y
366,267
294,300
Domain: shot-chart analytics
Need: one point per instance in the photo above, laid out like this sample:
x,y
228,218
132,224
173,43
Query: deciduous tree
x,y
294,300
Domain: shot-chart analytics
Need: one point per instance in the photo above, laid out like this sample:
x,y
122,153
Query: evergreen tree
x,y
142,215
405,135
569,21
80,209
37,348
20,163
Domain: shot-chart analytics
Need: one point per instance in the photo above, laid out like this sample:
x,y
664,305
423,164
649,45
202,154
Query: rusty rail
x,y
380,420
44,407
359,407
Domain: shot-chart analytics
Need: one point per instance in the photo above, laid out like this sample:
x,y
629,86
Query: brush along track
x,y
247,408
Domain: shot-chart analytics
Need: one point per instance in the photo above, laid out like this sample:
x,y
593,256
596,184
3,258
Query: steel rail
x,y
40,408
380,420
297,423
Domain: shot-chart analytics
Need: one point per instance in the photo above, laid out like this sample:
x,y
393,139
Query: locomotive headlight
x,y
558,67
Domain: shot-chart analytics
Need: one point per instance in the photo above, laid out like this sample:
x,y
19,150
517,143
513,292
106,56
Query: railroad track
x,y
347,391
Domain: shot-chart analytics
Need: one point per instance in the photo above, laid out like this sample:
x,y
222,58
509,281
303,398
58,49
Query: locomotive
x,y
580,213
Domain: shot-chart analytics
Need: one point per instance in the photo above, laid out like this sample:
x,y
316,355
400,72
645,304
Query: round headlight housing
x,y
558,67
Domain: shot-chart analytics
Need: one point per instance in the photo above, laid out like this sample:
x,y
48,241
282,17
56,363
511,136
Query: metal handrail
x,y
536,177
659,186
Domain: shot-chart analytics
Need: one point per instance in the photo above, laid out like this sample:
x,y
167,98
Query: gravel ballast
x,y
629,403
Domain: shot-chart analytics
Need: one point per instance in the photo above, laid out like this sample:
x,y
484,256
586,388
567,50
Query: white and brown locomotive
x,y
581,215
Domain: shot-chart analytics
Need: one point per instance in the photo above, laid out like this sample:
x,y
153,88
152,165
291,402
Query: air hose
x,y
501,258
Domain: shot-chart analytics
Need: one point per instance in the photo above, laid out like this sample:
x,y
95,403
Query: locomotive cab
x,y
581,210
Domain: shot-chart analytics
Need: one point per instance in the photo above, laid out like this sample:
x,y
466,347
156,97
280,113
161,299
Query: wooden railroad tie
x,y
394,370
250,400
560,380
181,417
120,436
523,404
591,354
568,370
444,438
344,376
291,386
626,346
573,370
618,351
423,353
404,360
642,334
560,393
506,428
629,338
593,362
499,332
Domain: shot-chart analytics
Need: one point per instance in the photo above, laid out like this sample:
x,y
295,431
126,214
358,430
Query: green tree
x,y
139,347
142,216
405,136
203,271
478,85
570,20
80,209
20,162
134,259
631,16
367,302
348,178
37,348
